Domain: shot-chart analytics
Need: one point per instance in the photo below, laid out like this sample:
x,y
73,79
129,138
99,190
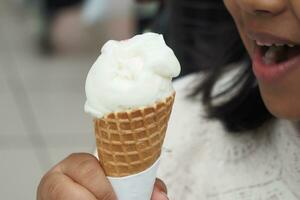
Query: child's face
x,y
262,23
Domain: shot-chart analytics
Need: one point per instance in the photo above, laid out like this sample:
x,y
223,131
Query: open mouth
x,y
271,62
277,54
273,57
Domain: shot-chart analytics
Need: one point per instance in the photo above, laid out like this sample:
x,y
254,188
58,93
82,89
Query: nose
x,y
263,7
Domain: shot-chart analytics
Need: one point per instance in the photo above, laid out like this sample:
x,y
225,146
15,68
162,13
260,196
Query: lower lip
x,y
272,72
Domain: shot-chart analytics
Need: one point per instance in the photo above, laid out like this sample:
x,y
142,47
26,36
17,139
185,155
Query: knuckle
x,y
88,167
51,187
55,191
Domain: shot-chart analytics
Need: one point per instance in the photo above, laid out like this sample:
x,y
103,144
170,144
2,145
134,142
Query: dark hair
x,y
204,38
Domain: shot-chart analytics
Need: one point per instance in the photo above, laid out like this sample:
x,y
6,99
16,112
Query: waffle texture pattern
x,y
129,142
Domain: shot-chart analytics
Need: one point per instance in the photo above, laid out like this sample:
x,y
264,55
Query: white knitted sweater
x,y
202,161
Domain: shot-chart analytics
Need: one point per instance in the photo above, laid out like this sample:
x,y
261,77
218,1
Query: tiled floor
x,y
41,108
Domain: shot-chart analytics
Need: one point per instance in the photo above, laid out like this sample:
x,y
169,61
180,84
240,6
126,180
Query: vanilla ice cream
x,y
130,74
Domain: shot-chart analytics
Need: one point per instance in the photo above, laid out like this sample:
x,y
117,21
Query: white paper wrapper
x,y
135,187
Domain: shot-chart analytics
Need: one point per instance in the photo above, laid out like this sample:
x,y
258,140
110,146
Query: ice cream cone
x,y
130,142
130,95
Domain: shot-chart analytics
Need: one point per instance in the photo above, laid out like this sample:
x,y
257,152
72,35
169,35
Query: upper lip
x,y
269,39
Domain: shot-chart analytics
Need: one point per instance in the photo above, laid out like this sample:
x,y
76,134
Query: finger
x,y
85,170
161,185
159,191
56,186
159,195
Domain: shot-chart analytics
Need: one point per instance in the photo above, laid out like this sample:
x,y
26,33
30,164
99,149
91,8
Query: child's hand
x,y
80,176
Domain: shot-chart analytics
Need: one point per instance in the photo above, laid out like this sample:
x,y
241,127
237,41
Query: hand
x,y
80,176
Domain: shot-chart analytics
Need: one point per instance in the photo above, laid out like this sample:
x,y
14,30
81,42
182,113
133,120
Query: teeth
x,y
263,44
259,43
277,45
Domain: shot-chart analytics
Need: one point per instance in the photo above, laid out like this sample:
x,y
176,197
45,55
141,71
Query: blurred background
x,y
46,50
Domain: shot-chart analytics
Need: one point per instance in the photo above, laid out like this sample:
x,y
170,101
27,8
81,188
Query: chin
x,y
283,110
286,115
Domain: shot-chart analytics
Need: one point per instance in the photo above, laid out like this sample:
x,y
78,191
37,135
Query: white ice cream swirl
x,y
130,74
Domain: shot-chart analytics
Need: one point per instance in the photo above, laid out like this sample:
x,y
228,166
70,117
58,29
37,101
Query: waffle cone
x,y
130,142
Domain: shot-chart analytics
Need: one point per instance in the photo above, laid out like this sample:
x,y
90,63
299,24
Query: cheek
x,y
238,16
283,99
295,4
231,6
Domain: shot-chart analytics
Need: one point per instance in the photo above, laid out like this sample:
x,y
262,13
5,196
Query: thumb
x,y
159,191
